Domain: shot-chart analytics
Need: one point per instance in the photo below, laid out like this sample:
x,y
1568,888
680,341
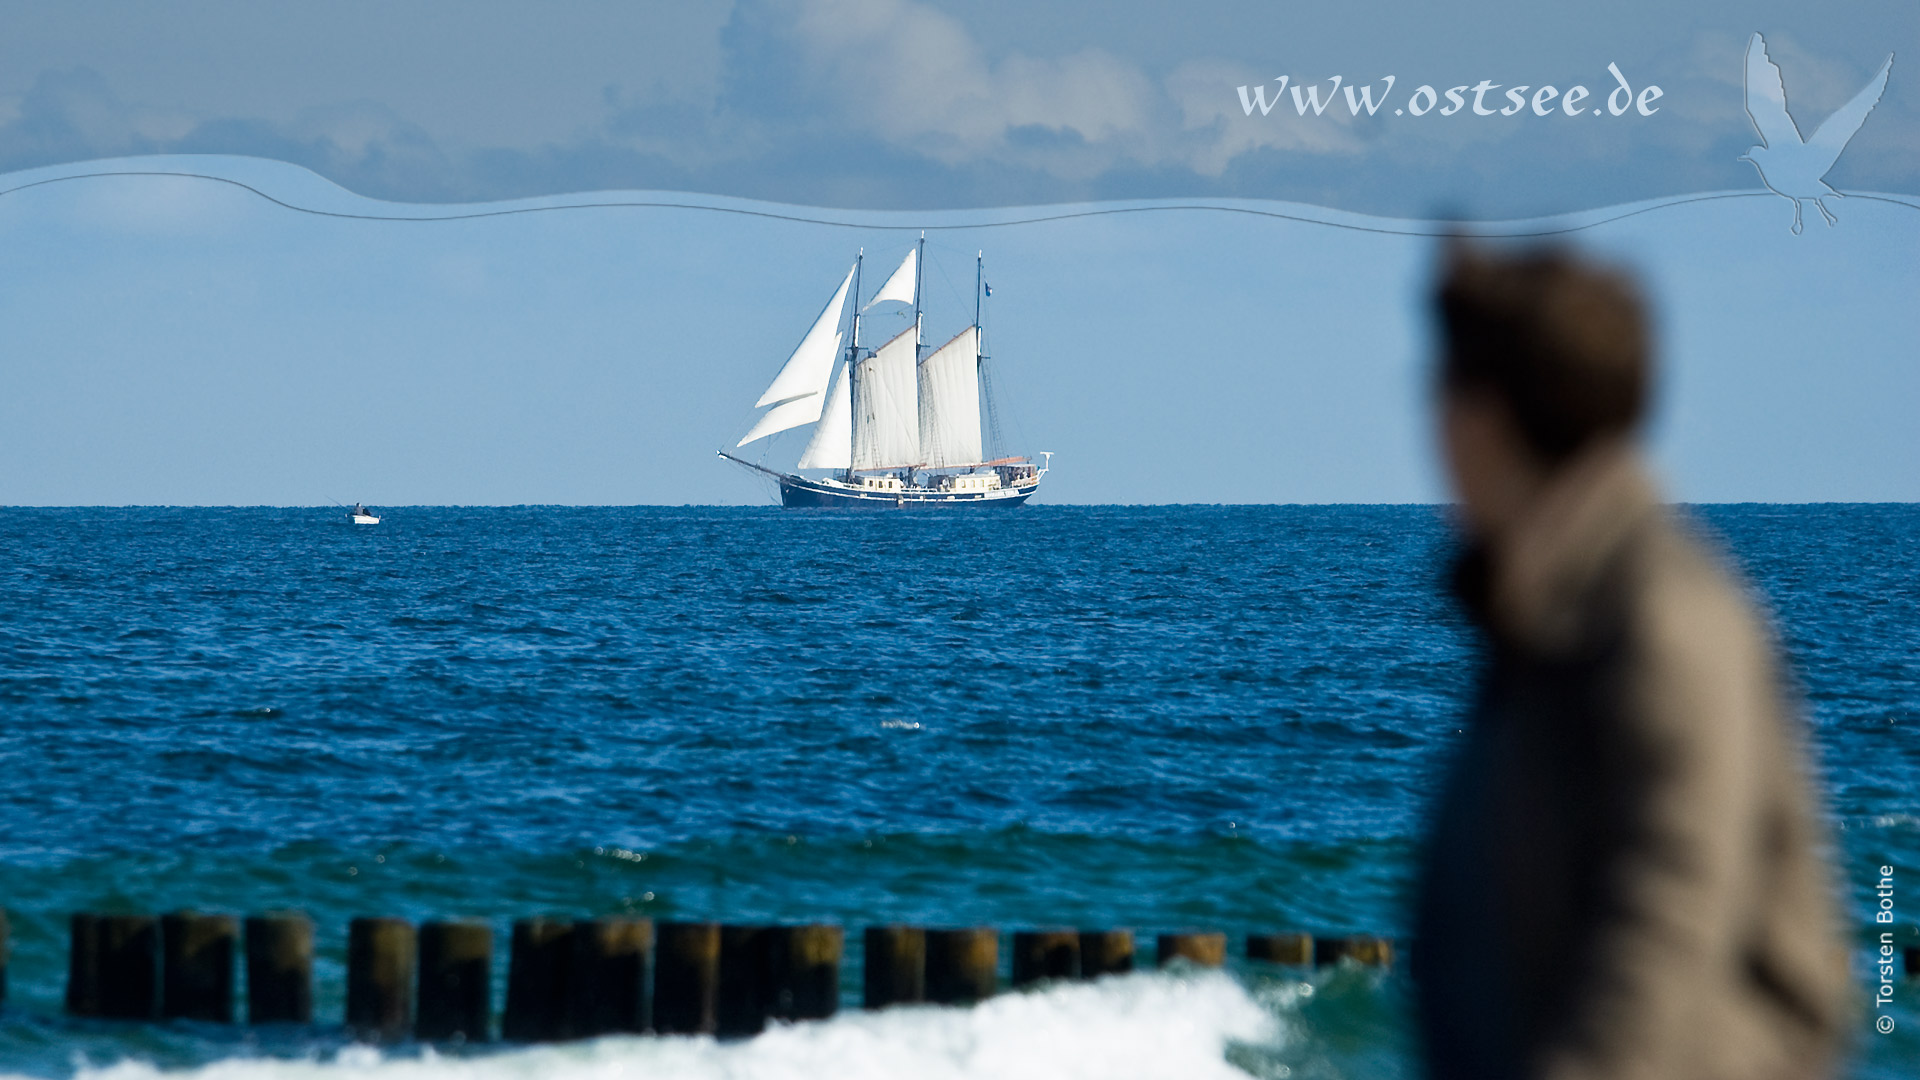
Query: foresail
x,y
787,414
949,385
807,370
886,427
832,444
901,285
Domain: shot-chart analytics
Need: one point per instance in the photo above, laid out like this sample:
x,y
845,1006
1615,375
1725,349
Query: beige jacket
x,y
1626,875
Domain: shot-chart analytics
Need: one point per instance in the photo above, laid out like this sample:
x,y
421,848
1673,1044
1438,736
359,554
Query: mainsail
x,y
807,370
886,428
832,444
949,382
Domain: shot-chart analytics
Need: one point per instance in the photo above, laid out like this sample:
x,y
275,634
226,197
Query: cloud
x,y
911,76
73,115
897,104
1218,129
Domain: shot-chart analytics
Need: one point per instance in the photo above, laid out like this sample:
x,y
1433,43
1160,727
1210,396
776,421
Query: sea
x,y
1160,718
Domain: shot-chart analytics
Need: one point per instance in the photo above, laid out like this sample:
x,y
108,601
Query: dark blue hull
x,y
795,491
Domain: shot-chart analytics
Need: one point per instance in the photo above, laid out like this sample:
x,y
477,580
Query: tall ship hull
x,y
894,426
800,491
797,491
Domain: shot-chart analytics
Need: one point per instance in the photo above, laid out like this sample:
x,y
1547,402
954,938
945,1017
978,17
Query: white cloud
x,y
914,74
915,77
1219,129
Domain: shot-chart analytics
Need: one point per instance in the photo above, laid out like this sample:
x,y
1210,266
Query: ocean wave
x,y
1175,1026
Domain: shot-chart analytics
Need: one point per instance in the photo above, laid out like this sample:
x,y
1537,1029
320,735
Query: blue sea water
x,y
1159,718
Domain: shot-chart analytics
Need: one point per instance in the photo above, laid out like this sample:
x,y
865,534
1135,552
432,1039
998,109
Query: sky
x,y
1258,332
922,104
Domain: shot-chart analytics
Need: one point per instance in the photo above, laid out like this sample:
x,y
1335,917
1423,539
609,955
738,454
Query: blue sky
x,y
178,341
168,340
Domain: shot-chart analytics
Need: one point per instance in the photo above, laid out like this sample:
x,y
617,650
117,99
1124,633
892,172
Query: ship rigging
x,y
896,425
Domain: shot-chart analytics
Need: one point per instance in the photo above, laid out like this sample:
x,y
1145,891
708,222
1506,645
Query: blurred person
x,y
1626,874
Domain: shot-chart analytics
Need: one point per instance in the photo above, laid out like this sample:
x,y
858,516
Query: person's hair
x,y
1562,342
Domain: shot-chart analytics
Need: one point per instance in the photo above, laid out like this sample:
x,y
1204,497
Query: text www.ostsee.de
x,y
1540,101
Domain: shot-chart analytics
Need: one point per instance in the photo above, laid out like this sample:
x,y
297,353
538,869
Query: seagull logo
x,y
1790,166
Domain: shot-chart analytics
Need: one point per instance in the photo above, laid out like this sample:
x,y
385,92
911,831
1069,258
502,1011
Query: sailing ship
x,y
897,425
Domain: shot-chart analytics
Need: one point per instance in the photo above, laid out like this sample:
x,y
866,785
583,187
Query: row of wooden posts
x,y
582,978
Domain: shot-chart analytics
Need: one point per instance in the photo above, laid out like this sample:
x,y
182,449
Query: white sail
x,y
807,370
950,402
886,416
787,414
900,286
832,444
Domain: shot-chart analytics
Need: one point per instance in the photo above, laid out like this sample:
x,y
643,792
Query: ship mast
x,y
994,442
853,346
919,269
853,353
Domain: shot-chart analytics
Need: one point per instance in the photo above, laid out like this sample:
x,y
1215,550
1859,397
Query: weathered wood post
x,y
539,962
745,997
803,971
686,978
1360,948
196,966
1913,961
1105,952
380,956
963,965
606,988
1199,949
1045,954
456,982
113,968
1373,951
1292,949
895,969
279,969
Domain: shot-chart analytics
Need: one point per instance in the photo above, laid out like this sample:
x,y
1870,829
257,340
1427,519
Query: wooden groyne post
x,y
803,971
1360,948
1040,955
895,969
1292,949
279,968
456,982
196,966
1201,949
538,967
380,955
606,989
963,965
686,978
1105,952
582,978
113,967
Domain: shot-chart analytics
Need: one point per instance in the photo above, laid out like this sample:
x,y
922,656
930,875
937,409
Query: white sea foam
x,y
1139,1026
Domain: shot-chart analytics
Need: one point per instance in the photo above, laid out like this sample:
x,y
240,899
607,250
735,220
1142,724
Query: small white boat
x,y
359,515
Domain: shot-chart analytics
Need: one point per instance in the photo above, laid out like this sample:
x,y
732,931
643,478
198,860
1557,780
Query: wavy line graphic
x,y
901,220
